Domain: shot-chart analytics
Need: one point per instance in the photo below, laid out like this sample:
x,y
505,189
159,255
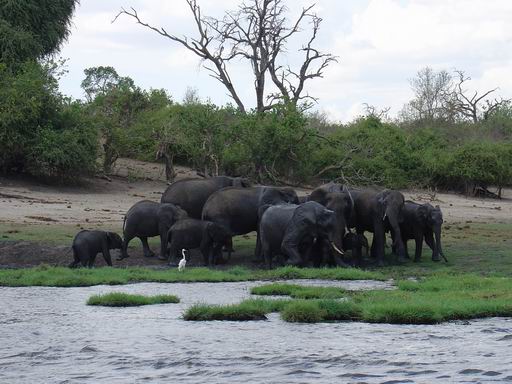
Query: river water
x,y
49,335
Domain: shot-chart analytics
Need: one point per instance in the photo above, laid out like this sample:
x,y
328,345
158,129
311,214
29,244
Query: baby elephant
x,y
355,242
87,244
209,237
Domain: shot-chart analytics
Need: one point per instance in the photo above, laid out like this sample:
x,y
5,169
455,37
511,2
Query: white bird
x,y
183,261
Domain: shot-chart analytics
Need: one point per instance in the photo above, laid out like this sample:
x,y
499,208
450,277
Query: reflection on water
x,y
50,335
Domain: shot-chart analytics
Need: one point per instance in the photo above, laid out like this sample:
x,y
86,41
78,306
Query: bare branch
x,y
199,46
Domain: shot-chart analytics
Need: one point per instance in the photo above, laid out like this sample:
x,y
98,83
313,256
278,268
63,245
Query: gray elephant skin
x,y
193,233
191,194
87,244
291,230
147,219
422,221
377,212
354,242
236,209
337,198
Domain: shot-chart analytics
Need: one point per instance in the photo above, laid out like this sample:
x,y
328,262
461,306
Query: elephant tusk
x,y
336,248
384,217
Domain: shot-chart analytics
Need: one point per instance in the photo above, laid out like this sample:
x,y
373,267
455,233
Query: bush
x,y
302,311
64,153
120,299
42,133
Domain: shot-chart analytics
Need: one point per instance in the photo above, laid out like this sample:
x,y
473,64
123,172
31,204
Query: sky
x,y
380,45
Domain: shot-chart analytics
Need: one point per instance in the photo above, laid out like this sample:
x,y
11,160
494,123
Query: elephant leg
x,y
258,254
76,259
290,249
419,245
357,248
124,248
108,259
205,252
163,242
379,239
215,255
393,247
174,255
92,258
84,257
405,248
267,255
228,247
145,247
316,253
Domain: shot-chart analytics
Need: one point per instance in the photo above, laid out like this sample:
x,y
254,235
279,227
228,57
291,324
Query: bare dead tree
x,y
373,111
475,106
258,32
431,91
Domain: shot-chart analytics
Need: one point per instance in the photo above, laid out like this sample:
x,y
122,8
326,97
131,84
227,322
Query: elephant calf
x,y
87,244
147,219
355,242
193,233
422,221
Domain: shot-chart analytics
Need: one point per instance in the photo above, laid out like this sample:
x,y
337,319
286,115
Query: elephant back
x,y
192,194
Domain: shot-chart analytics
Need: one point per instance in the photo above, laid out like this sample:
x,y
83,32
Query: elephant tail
x,y
124,223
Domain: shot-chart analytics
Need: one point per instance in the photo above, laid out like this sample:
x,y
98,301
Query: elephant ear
x,y
113,240
289,195
423,212
325,218
381,201
304,215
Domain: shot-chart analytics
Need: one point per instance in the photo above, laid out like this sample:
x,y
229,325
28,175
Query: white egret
x,y
183,261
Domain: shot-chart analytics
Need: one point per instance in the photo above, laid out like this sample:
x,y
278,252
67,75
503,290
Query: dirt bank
x,y
102,203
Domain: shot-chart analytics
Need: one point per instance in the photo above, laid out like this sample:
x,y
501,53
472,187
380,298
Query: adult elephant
x,y
191,194
147,219
236,208
337,198
292,230
375,212
422,221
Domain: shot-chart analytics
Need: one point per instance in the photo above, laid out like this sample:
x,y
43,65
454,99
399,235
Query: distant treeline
x,y
446,137
45,134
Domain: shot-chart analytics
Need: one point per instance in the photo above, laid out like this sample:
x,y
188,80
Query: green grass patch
x,y
120,299
246,310
66,277
314,311
299,291
434,299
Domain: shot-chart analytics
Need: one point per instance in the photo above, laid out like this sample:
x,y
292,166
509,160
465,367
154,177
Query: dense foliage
x,y
41,131
32,29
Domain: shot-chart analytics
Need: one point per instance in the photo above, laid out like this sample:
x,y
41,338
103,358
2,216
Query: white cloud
x,y
381,44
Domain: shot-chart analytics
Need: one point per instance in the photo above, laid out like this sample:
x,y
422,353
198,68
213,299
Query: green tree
x,y
32,29
114,102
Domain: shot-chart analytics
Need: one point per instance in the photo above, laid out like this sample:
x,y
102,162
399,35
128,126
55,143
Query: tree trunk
x,y
170,174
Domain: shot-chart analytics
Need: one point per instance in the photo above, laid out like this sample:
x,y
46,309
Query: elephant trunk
x,y
395,227
438,250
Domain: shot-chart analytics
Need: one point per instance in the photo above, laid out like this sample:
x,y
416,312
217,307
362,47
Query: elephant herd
x,y
311,230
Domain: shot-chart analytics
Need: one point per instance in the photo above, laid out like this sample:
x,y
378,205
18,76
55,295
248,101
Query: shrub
x,y
119,299
40,132
69,152
302,311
